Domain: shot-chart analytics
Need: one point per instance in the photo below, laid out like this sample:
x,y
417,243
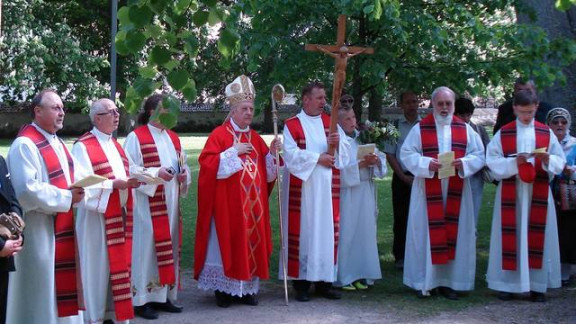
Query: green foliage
x,y
565,4
40,49
170,34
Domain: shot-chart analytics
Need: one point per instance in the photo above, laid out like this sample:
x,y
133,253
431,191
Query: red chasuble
x,y
119,251
158,208
238,204
443,221
538,207
68,289
295,199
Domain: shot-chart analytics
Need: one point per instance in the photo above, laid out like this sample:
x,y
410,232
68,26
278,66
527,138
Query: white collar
x,y
45,133
155,129
100,135
521,125
237,128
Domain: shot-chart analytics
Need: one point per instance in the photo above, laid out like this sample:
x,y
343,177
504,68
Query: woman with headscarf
x,y
559,120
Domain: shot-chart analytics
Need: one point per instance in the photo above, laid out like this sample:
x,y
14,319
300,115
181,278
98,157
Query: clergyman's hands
x,y
369,160
166,174
458,164
125,184
333,138
77,194
182,176
434,165
243,148
544,157
326,160
275,146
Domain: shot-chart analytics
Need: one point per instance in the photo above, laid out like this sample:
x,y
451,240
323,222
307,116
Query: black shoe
x,y
302,296
146,311
537,297
329,294
448,293
251,300
222,299
505,296
108,321
423,294
168,307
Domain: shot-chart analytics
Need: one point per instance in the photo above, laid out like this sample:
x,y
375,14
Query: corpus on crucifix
x,y
341,53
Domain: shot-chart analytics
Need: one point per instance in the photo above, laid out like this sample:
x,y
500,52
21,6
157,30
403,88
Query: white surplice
x,y
145,279
32,292
419,272
91,230
524,279
358,247
212,276
316,221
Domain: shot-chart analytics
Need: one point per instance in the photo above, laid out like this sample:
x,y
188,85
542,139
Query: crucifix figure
x,y
341,53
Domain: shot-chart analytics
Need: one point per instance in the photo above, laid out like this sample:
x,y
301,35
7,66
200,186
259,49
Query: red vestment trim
x,y
68,288
443,221
538,206
295,199
119,253
158,208
238,205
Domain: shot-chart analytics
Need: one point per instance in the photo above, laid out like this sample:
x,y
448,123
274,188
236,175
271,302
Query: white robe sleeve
x,y
343,157
32,192
300,163
557,157
132,149
271,173
501,167
380,169
411,155
230,163
473,161
350,175
96,196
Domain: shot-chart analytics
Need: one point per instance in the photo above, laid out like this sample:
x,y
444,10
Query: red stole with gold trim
x,y
295,199
68,291
158,208
443,221
119,253
538,206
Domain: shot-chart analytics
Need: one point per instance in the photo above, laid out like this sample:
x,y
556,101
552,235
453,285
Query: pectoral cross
x,y
340,52
249,165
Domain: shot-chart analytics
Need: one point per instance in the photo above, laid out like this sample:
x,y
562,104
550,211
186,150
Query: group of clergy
x,y
119,254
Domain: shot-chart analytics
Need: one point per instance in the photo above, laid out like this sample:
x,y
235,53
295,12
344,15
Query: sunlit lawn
x,y
389,290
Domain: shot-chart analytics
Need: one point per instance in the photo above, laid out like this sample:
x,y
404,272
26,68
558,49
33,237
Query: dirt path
x,y
199,307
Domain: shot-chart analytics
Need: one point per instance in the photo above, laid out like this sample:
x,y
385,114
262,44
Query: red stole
x,y
538,207
119,252
443,222
238,206
65,277
295,199
158,208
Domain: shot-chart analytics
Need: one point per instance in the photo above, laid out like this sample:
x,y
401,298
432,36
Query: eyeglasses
x,y
559,122
109,112
444,103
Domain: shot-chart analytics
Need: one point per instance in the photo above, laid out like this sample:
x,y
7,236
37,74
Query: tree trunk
x,y
375,106
557,24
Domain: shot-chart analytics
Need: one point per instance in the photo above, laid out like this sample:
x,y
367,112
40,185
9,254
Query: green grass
x,y
390,289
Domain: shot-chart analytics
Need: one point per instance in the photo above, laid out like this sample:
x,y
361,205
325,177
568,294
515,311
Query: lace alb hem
x,y
212,278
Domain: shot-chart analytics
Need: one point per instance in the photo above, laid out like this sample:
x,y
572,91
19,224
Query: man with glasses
x,y
524,254
45,287
440,239
104,242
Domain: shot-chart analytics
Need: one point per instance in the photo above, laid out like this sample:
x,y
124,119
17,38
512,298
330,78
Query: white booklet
x,y
89,181
147,178
364,150
447,169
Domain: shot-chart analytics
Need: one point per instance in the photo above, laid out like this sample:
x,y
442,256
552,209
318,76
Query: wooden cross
x,y
340,52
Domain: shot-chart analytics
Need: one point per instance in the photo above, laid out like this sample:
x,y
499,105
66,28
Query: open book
x,y
89,181
147,178
364,150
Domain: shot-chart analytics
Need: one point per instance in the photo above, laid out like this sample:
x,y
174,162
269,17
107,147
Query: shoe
x,y
505,296
359,285
302,296
167,307
222,299
423,294
251,300
329,294
108,321
537,297
146,311
399,264
349,287
448,293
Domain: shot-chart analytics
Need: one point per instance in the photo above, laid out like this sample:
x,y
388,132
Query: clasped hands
x,y
435,165
369,160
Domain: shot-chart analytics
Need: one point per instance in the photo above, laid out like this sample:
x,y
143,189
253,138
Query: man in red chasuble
x,y
237,172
